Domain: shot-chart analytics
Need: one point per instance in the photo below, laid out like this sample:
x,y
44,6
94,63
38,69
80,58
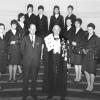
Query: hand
x,y
74,43
13,42
85,51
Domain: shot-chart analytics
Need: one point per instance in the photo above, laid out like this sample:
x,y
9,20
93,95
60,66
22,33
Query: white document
x,y
49,41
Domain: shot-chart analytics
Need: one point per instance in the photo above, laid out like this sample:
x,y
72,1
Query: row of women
x,y
73,47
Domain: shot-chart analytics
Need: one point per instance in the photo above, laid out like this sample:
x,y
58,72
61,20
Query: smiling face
x,y
56,30
77,24
22,19
69,11
56,11
41,11
68,22
32,29
30,10
14,26
90,30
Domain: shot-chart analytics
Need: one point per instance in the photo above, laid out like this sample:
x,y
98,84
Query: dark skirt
x,y
3,62
89,64
76,59
14,55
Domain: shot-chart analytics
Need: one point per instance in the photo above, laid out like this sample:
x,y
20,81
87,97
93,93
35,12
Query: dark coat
x,y
21,31
13,49
79,38
30,54
42,26
59,21
69,34
93,45
30,20
73,18
3,55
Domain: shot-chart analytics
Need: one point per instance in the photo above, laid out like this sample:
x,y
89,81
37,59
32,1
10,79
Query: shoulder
x,y
45,16
8,32
33,15
73,15
60,16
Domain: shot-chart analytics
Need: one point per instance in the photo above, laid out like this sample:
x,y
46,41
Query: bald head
x,y
32,29
56,29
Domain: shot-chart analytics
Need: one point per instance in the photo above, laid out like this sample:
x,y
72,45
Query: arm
x,y
22,46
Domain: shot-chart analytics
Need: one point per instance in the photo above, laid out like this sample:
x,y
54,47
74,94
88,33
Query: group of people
x,y
23,46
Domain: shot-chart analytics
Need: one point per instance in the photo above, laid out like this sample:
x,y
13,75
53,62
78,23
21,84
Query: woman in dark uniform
x,y
21,30
69,31
77,43
91,47
56,18
3,50
13,40
70,15
56,70
20,26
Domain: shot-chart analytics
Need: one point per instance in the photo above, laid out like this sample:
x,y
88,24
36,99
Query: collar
x,y
77,29
13,31
21,24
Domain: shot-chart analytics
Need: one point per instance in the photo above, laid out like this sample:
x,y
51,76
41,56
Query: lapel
x,y
78,32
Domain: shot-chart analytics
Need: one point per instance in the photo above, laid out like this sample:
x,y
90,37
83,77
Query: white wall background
x,y
88,10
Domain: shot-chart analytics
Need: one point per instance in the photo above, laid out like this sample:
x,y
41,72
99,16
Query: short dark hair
x,y
20,15
1,24
40,7
79,20
70,6
14,21
56,6
29,5
91,25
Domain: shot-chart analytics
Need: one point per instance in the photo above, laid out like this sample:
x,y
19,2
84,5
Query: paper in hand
x,y
49,41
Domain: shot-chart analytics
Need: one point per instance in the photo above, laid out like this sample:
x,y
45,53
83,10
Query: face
x,y
32,29
90,30
56,30
14,26
30,10
2,30
22,19
70,10
68,22
41,11
77,25
56,10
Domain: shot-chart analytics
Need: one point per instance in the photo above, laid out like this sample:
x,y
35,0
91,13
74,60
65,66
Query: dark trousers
x,y
30,72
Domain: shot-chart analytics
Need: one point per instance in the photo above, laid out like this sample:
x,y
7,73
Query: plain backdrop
x,y
88,10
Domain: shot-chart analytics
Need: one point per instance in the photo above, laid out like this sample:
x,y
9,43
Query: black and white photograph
x,y
49,49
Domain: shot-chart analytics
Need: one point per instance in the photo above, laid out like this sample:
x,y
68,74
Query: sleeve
x,y
46,25
22,46
51,25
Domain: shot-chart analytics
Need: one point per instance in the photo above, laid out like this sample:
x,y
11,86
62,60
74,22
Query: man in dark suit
x,y
31,51
30,18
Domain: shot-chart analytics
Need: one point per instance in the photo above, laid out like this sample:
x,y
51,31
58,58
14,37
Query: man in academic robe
x,y
31,51
56,71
